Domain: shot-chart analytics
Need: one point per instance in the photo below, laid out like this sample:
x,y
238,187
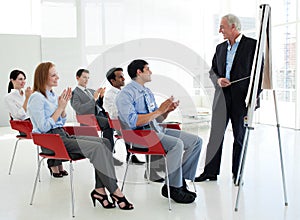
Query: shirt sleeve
x,y
126,111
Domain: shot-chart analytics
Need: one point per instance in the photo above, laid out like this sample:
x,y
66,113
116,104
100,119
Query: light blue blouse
x,y
40,110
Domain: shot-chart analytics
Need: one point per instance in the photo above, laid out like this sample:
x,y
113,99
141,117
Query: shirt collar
x,y
14,90
237,40
114,89
49,93
138,86
81,87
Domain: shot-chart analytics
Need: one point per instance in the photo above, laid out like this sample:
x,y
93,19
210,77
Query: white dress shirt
x,y
14,101
109,102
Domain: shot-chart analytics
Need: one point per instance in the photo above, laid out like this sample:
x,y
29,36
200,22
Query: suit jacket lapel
x,y
223,55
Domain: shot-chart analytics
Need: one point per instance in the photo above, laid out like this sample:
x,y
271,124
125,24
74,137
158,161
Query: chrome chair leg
x,y
38,159
194,185
36,179
72,189
168,184
124,178
13,156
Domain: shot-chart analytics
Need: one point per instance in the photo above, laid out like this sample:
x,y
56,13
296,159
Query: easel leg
x,y
280,151
239,177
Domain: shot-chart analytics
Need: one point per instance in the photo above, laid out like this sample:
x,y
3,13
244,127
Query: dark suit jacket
x,y
82,103
241,67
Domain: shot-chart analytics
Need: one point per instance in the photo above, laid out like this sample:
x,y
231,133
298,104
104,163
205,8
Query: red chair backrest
x,y
24,126
146,138
89,119
113,123
52,142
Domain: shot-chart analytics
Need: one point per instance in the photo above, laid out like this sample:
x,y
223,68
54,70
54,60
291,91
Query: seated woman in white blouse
x,y
16,101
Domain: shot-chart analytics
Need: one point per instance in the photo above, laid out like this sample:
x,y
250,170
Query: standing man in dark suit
x,y
232,61
89,101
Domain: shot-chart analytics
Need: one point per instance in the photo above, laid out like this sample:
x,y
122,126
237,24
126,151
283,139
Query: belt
x,y
145,127
59,131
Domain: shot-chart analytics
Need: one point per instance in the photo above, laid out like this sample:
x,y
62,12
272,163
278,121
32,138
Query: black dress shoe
x,y
135,160
185,189
117,162
205,176
154,177
177,194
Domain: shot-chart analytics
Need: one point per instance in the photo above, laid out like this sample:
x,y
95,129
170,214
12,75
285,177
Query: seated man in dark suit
x,y
89,101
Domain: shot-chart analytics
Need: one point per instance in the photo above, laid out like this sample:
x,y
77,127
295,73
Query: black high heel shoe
x,y
64,172
127,206
56,175
101,200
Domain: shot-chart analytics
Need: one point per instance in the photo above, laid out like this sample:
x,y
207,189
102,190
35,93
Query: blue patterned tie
x,y
153,124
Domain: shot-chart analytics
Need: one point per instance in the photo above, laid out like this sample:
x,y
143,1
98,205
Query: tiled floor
x,y
261,197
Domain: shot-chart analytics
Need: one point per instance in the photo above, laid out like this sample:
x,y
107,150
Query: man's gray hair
x,y
232,19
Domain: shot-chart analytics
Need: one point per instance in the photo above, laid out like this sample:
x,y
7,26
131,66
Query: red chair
x,y
88,120
54,142
115,124
153,146
25,128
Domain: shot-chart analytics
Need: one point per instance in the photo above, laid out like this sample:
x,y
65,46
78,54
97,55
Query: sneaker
x,y
177,194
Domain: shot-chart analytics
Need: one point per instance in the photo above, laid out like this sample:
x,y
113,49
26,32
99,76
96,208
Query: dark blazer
x,y
241,67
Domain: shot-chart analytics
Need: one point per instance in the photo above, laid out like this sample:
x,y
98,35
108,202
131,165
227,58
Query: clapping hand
x,y
168,105
64,98
173,105
28,92
99,93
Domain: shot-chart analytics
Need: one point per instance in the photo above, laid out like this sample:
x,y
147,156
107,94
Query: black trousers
x,y
227,108
108,132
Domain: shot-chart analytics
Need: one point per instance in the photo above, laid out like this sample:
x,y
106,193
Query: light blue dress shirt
x,y
231,50
134,99
40,110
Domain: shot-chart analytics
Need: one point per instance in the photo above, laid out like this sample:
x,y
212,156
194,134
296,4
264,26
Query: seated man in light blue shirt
x,y
137,109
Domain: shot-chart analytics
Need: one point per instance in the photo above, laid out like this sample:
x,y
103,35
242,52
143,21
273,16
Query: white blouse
x,y
14,101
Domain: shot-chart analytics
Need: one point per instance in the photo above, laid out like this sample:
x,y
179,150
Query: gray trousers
x,y
97,150
183,151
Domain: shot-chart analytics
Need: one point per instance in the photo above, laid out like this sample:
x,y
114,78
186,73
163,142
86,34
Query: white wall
x,y
66,54
24,52
17,52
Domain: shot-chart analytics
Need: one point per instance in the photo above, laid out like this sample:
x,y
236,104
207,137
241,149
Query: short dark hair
x,y
134,66
80,71
111,73
14,75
